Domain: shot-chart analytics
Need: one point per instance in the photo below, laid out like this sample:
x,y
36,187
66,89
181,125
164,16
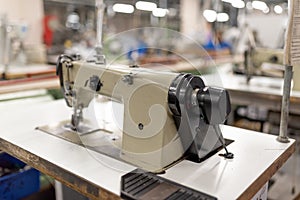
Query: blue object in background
x,y
221,45
141,50
20,183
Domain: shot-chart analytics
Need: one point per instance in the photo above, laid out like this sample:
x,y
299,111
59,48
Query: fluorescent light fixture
x,y
228,1
278,9
210,15
238,4
259,5
123,8
222,17
145,5
159,12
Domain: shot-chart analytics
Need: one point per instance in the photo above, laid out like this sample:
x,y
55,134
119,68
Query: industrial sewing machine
x,y
263,61
167,116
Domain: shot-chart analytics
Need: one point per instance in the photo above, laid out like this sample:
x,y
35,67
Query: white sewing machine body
x,y
167,116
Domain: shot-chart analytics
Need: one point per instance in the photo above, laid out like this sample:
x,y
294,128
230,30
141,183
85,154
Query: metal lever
x,y
215,103
228,154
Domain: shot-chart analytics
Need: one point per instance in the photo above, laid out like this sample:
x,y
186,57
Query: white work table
x,y
257,157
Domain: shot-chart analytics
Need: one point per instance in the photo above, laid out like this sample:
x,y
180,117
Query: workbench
x,y
257,157
29,77
261,91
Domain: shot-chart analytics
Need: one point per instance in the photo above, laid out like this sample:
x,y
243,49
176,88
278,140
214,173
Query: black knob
x,y
95,83
215,104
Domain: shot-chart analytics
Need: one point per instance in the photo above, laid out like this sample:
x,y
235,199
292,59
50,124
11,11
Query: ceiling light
x,y
259,5
145,5
159,12
238,4
210,15
228,1
123,8
222,17
278,9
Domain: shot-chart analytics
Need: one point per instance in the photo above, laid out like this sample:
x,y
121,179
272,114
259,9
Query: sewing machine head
x,y
263,61
167,116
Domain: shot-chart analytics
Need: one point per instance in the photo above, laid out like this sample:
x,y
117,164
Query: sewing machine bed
x,y
102,140
98,140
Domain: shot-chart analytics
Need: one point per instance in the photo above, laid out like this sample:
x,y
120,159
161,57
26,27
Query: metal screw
x,y
128,79
133,66
141,126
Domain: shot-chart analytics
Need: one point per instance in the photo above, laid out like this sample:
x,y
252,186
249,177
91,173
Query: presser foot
x,y
66,131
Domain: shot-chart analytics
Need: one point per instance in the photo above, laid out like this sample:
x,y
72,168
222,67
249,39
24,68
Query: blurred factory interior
x,y
239,45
